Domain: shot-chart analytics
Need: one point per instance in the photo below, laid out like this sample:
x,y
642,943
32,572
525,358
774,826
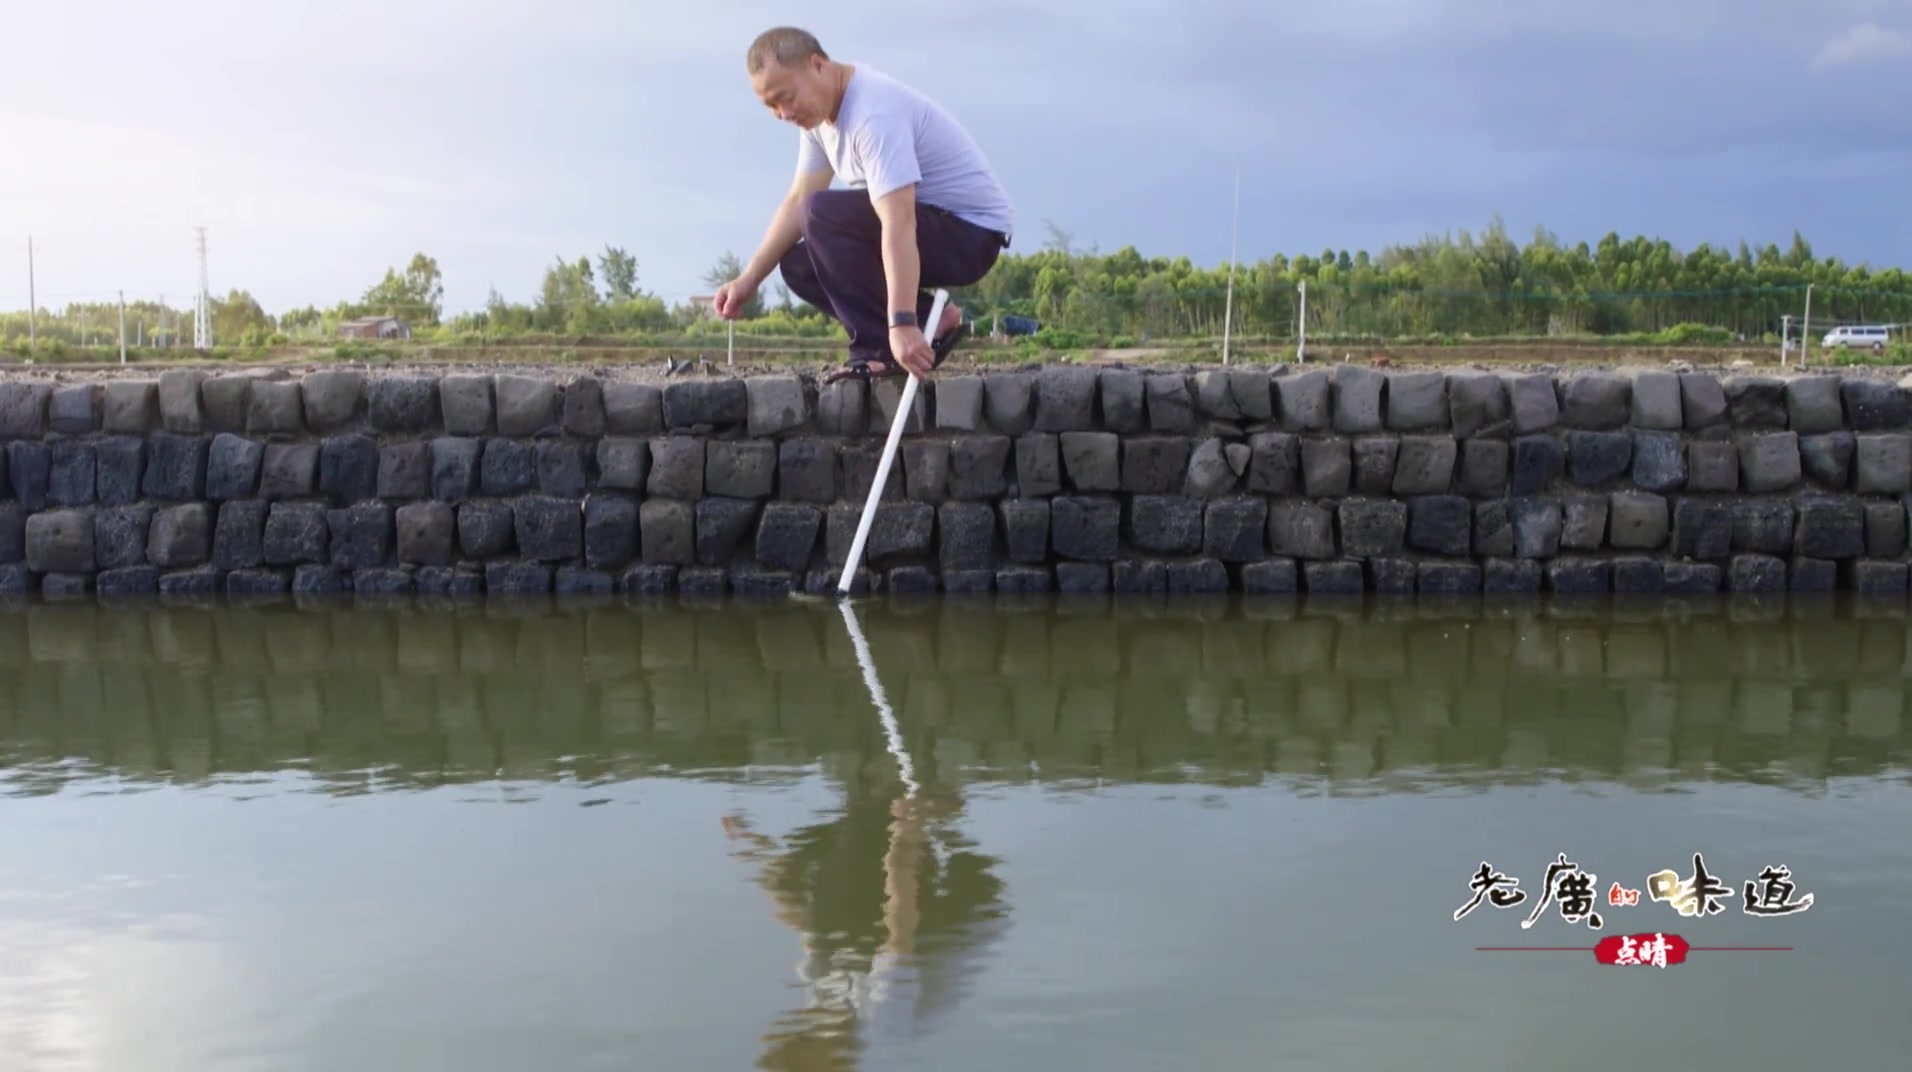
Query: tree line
x,y
1451,286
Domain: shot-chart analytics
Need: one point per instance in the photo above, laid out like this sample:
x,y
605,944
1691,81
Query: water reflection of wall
x,y
1400,696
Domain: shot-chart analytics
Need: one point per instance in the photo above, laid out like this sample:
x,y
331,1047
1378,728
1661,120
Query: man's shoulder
x,y
879,93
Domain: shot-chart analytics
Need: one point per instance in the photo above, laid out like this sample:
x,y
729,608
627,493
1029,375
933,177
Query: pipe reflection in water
x,y
885,970
894,900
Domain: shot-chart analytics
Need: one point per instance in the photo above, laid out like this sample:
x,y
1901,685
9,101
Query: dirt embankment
x,y
1521,355
660,365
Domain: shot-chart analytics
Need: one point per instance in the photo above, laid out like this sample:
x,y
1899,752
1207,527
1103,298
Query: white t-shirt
x,y
887,135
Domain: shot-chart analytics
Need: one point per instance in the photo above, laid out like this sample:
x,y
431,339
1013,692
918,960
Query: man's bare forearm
x,y
785,229
900,265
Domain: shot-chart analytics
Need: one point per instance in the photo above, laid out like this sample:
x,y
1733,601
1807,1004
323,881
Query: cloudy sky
x,y
321,142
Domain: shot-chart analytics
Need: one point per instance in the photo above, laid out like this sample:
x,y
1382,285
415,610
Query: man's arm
x,y
887,144
785,225
901,267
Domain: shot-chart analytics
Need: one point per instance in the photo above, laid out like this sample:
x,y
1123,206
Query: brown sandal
x,y
877,368
867,368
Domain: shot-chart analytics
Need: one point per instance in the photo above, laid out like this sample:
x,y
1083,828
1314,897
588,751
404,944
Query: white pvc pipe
x,y
891,731
889,454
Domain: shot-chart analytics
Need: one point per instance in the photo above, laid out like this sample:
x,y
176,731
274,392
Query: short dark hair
x,y
787,45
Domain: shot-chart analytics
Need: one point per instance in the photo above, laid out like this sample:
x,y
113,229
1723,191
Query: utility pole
x,y
1301,334
1785,338
33,303
202,312
1805,329
122,303
1228,307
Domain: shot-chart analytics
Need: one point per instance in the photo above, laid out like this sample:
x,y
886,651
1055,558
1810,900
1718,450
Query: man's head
x,y
793,76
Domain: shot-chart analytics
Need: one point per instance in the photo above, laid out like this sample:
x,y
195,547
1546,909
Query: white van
x,y
1843,337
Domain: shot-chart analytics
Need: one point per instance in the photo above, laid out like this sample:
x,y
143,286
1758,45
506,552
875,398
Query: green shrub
x,y
1694,334
1060,339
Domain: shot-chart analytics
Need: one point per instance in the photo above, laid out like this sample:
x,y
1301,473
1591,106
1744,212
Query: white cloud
x,y
1865,43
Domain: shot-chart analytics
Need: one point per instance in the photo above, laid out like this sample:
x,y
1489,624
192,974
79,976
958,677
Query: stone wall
x,y
1337,479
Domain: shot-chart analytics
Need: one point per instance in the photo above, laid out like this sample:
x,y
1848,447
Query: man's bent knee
x,y
809,210
832,209
796,259
812,210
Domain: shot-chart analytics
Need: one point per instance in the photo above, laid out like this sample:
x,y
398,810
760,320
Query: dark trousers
x,y
837,265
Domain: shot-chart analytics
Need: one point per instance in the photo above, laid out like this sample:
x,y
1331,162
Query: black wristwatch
x,y
903,320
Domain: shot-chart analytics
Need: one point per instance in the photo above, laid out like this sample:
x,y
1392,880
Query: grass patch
x,y
1896,354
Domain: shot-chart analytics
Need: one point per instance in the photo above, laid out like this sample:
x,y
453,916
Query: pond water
x,y
1044,834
